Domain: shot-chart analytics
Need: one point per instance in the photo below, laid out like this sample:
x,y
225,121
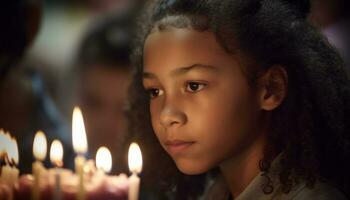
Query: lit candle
x,y
56,155
80,148
104,160
9,152
104,186
135,167
39,151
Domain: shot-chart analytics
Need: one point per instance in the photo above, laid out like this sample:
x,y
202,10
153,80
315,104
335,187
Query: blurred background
x,y
58,54
76,52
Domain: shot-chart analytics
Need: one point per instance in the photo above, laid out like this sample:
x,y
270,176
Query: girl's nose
x,y
172,116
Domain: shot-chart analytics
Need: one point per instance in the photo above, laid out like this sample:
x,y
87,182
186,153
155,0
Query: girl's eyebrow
x,y
148,75
181,71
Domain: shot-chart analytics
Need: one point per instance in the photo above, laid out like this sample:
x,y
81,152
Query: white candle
x,y
79,169
135,166
56,156
103,165
5,192
39,151
9,152
9,175
80,147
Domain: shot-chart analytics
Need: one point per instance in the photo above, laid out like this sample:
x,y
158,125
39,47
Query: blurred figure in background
x,y
64,23
104,72
332,17
25,105
35,93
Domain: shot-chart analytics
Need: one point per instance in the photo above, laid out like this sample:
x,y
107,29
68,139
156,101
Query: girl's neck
x,y
240,170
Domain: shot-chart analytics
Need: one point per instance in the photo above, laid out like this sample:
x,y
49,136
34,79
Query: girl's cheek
x,y
155,111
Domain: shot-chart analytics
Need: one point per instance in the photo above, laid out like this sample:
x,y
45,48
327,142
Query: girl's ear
x,y
273,87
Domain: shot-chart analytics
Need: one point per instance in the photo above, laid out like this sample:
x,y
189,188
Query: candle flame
x,y
13,153
56,153
78,129
40,146
4,140
135,158
9,146
104,159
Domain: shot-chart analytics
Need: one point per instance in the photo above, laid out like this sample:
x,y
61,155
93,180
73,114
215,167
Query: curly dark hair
x,y
311,126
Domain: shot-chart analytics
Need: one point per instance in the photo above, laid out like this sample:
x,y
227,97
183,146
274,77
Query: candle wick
x,y
3,154
3,158
134,172
12,163
6,158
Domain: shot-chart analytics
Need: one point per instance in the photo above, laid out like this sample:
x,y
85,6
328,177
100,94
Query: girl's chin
x,y
191,167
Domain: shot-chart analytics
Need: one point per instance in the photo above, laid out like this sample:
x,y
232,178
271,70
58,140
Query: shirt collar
x,y
255,188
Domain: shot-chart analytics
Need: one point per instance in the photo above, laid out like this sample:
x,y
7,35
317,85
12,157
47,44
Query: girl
x,y
244,88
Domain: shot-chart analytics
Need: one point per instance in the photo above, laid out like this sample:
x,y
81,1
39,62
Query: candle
x,y
39,151
56,155
80,147
102,186
9,152
9,175
135,166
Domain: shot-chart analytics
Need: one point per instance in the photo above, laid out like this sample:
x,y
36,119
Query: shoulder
x,y
320,191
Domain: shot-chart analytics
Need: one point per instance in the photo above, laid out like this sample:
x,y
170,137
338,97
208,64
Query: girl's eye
x,y
194,86
154,92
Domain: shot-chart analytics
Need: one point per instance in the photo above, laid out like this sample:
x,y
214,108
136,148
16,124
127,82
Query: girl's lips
x,y
177,146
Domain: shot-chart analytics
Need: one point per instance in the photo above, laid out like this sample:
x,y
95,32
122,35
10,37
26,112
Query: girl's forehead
x,y
171,50
181,46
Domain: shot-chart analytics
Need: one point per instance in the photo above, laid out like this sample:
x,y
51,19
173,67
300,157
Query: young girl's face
x,y
203,111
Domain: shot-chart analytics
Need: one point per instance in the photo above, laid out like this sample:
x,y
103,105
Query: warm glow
x,y
56,153
9,146
79,135
104,159
4,141
135,158
13,153
40,146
